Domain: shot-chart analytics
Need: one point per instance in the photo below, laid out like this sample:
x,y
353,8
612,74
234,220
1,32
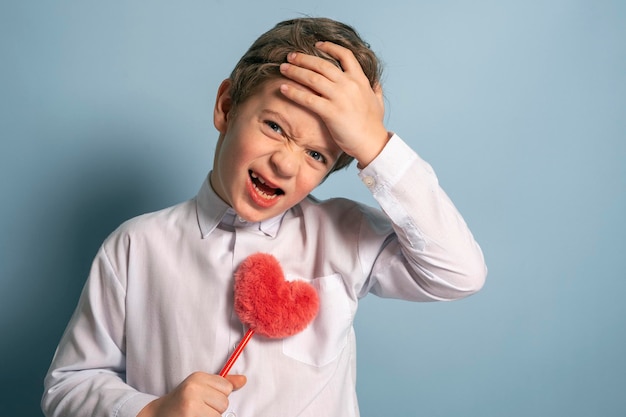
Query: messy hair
x,y
262,61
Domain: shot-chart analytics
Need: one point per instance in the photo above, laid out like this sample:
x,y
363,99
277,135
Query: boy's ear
x,y
223,105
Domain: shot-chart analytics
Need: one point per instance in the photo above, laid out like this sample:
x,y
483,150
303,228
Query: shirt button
x,y
241,219
230,414
369,181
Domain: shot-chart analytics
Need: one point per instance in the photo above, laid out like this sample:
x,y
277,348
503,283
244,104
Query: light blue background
x,y
105,113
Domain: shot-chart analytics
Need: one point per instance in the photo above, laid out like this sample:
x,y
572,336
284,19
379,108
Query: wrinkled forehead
x,y
298,121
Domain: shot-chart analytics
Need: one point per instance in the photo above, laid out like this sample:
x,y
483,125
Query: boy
x,y
155,321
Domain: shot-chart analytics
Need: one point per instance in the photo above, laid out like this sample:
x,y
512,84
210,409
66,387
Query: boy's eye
x,y
317,156
274,126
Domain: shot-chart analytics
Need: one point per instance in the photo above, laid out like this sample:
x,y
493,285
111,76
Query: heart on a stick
x,y
269,304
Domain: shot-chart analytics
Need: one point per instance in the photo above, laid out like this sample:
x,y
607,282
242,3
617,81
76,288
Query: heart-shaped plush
x,y
268,303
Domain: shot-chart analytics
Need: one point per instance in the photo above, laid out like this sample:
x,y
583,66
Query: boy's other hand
x,y
200,394
352,110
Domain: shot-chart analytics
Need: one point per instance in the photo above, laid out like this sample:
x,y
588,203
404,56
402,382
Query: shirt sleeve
x,y
432,254
87,374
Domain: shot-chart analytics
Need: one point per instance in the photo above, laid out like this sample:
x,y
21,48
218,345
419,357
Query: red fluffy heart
x,y
267,303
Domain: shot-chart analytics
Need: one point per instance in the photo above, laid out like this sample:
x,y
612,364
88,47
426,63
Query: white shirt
x,y
158,304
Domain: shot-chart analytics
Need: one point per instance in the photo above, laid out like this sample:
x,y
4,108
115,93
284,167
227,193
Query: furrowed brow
x,y
288,131
278,118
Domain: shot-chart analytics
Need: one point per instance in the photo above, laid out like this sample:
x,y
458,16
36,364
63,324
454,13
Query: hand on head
x,y
351,109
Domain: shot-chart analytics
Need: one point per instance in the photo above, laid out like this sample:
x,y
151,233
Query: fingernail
x,y
284,66
292,55
318,44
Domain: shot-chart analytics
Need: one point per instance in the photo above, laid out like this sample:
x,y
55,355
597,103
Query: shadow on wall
x,y
79,205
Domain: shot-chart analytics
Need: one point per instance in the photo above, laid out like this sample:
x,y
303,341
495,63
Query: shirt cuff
x,y
392,162
133,404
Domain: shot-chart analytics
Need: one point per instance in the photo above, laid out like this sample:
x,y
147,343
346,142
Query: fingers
x,y
312,65
321,75
237,381
198,394
345,56
317,75
318,81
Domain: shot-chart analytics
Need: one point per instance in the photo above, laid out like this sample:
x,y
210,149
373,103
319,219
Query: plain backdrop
x,y
105,113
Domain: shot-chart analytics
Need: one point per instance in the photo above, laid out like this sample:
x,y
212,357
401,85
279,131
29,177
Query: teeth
x,y
262,193
255,176
259,191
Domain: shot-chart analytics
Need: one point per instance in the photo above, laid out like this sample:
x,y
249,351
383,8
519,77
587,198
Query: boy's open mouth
x,y
262,188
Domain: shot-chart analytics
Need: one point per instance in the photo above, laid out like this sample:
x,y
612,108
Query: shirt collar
x,y
212,210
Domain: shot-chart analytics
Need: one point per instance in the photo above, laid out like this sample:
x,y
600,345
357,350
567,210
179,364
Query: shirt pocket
x,y
326,336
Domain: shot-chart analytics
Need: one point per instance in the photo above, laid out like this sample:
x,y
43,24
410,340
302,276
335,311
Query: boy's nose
x,y
285,162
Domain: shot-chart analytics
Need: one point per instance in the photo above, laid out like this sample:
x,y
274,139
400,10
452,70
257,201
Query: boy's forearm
x,y
86,376
445,259
92,393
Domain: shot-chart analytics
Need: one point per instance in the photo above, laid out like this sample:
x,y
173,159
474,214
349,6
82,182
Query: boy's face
x,y
271,152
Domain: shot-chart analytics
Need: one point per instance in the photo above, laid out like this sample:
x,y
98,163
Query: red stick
x,y
237,352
